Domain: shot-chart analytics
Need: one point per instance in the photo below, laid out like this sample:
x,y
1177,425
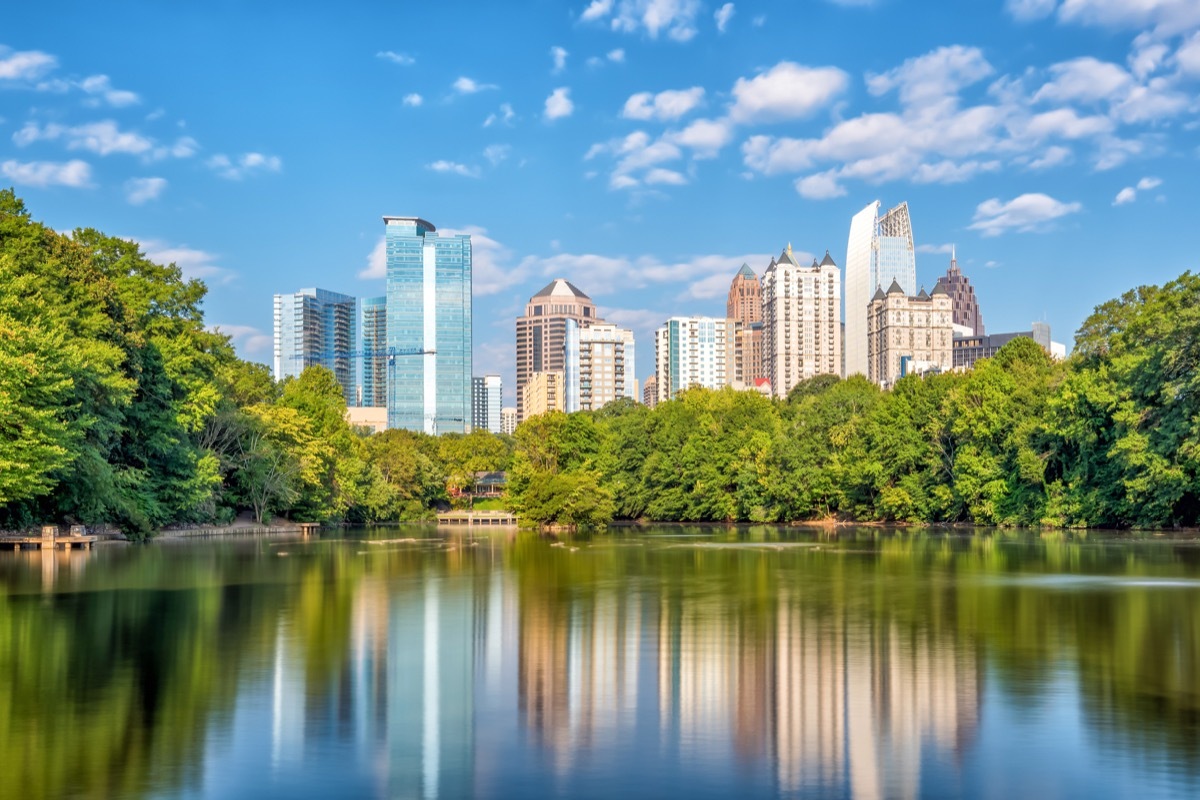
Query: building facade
x,y
693,351
962,296
599,366
487,397
428,327
909,335
542,332
543,393
879,251
969,349
372,365
802,326
317,328
650,392
508,420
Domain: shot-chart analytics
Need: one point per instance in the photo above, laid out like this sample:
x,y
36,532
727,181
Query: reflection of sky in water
x,y
493,680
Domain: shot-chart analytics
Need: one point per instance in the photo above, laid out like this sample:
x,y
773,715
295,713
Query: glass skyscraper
x,y
428,327
373,365
488,392
315,327
880,250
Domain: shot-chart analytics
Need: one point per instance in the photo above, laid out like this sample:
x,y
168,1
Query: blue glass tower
x,y
315,327
428,327
373,365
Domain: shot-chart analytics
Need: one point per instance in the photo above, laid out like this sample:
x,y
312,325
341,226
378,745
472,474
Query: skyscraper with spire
x,y
744,308
802,331
962,294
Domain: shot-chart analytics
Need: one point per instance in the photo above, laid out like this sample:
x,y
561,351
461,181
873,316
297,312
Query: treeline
x,y
1109,438
118,406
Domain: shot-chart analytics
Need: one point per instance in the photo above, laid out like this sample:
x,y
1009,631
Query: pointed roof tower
x,y
746,272
895,288
828,261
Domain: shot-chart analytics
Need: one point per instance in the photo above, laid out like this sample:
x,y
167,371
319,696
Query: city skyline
x,y
645,149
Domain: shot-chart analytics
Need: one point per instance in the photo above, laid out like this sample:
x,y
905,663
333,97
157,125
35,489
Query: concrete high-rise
x,y
508,420
544,393
487,396
372,366
909,335
599,366
802,327
315,327
542,332
428,327
962,295
693,351
744,303
744,307
650,392
879,251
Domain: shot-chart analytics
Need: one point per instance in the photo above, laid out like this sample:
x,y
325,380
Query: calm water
x,y
684,662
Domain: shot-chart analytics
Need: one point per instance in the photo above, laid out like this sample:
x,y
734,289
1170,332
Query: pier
x,y
474,519
50,539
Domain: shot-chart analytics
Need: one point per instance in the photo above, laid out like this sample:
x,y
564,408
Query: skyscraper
x,y
315,327
744,303
962,294
429,314
693,351
373,365
909,335
744,307
487,394
599,366
801,321
542,331
880,250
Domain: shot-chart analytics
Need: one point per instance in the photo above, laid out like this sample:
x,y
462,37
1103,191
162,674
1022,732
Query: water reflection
x,y
759,663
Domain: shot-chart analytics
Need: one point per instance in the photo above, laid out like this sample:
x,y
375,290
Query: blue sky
x,y
642,149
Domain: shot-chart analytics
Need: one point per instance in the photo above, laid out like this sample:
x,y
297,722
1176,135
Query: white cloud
x,y
505,115
618,181
102,90
944,249
465,85
950,172
1187,57
1167,17
616,56
1148,183
558,104
932,77
674,18
1027,10
74,173
250,342
1085,80
495,153
243,166
1126,195
1054,156
24,65
413,100
668,105
722,17
403,59
821,186
376,261
1027,213
141,190
193,263
453,167
559,55
658,176
103,138
786,91
705,137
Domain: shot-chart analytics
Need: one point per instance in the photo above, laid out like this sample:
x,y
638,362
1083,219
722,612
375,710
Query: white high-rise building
x,y
802,330
693,351
880,250
487,393
598,364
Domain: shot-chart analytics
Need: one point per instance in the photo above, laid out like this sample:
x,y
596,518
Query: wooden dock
x,y
50,539
475,519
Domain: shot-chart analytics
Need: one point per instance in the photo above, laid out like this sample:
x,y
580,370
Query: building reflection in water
x,y
820,696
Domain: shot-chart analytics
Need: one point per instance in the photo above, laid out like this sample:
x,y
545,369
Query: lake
x,y
644,662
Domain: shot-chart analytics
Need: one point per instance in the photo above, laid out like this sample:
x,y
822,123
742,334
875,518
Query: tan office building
x,y
542,332
909,335
543,392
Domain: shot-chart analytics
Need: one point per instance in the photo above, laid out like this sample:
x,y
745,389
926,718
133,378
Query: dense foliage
x,y
118,406
1109,438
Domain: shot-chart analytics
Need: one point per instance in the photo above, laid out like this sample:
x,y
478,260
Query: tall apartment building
x,y
802,325
543,393
428,327
508,420
879,251
744,307
599,366
962,296
693,351
650,392
315,327
487,396
908,335
372,366
542,332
